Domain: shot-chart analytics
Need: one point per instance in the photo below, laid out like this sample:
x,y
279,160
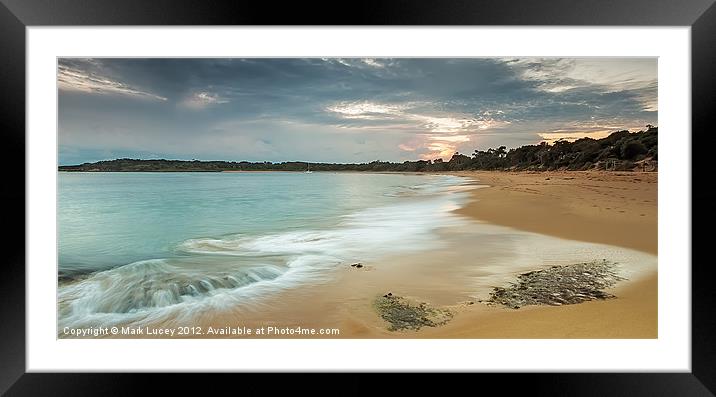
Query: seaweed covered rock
x,y
402,314
558,285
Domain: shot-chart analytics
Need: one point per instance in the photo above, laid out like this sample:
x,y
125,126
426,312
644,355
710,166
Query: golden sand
x,y
609,208
618,209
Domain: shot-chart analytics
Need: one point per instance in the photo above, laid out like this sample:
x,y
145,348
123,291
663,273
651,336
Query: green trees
x,y
630,150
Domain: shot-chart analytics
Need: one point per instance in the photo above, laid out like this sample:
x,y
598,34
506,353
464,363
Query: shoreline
x,y
513,214
613,208
347,300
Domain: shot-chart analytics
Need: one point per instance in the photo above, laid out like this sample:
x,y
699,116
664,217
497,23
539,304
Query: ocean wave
x,y
152,285
441,185
237,269
367,233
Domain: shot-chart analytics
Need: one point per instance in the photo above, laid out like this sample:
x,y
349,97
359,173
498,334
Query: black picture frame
x,y
16,15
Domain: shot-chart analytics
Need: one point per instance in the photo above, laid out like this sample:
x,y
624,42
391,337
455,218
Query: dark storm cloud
x,y
333,109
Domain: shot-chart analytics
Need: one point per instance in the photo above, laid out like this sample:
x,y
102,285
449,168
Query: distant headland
x,y
620,151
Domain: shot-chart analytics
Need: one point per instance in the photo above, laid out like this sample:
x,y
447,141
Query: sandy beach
x,y
528,210
340,198
611,208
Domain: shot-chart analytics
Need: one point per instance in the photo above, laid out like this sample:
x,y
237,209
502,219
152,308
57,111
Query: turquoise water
x,y
134,245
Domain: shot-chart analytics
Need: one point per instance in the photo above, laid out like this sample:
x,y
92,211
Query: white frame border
x,y
670,352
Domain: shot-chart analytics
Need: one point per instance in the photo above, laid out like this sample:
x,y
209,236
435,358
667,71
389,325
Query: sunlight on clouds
x,y
440,135
571,136
450,124
558,88
366,110
348,109
452,139
594,128
435,146
445,124
73,79
444,147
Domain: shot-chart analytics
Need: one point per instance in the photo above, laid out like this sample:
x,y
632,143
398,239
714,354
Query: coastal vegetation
x,y
620,151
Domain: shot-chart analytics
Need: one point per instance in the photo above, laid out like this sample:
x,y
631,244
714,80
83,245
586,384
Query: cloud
x,y
558,75
203,99
362,108
459,123
439,134
430,147
368,110
74,79
359,63
443,146
418,115
373,63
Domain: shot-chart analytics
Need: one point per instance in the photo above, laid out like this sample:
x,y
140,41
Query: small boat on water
x,y
308,171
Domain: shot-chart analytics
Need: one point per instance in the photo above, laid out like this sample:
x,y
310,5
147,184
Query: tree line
x,y
620,151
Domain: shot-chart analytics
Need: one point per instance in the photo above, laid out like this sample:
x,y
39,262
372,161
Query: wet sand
x,y
616,209
610,208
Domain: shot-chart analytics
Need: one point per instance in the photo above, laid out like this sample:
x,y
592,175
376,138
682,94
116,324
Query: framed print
x,y
480,191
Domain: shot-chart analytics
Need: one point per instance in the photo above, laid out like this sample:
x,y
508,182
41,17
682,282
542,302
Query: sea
x,y
134,247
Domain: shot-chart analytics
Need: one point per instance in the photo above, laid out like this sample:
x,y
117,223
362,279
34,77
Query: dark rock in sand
x,y
403,314
558,285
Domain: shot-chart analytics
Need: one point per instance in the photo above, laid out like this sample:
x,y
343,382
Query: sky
x,y
342,110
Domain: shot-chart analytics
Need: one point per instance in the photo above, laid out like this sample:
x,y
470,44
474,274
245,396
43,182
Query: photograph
x,y
453,187
456,187
357,198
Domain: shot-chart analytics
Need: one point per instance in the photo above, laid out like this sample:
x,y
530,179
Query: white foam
x,y
147,291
